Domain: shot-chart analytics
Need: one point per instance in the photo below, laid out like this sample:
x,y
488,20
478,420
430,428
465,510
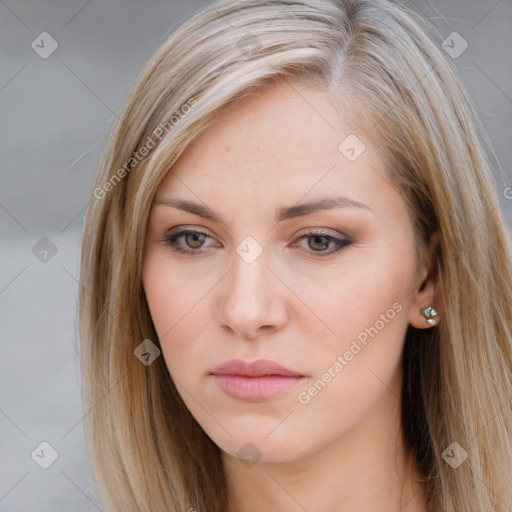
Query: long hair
x,y
384,64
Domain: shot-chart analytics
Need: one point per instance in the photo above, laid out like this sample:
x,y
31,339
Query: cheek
x,y
169,294
359,355
177,303
366,349
371,294
355,369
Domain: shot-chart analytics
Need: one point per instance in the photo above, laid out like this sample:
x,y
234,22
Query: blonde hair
x,y
146,451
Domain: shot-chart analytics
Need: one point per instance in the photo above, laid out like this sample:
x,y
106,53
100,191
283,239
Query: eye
x,y
318,241
194,240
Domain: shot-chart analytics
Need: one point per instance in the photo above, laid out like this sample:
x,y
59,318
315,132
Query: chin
x,y
251,443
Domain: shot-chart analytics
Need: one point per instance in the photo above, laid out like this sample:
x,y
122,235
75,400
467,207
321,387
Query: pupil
x,y
196,240
317,237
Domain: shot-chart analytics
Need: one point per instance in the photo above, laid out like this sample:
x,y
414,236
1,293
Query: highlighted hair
x,y
382,64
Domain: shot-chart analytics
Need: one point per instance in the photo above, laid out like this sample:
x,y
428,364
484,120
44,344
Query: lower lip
x,y
255,389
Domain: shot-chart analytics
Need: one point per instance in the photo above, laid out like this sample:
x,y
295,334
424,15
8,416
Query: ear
x,y
427,293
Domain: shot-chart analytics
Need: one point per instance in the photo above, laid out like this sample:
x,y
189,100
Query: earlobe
x,y
428,301
429,313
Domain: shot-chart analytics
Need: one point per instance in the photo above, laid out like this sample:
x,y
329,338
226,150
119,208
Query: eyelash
x,y
171,241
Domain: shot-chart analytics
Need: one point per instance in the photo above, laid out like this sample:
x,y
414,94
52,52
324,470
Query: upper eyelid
x,y
323,231
183,230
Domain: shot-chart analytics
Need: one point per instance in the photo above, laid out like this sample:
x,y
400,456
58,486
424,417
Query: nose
x,y
253,300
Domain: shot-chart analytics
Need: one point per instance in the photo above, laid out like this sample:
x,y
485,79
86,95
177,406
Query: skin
x,y
342,450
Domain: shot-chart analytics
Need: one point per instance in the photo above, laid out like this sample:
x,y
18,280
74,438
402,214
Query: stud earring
x,y
429,313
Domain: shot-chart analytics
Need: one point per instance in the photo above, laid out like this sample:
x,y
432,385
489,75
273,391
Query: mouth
x,y
255,381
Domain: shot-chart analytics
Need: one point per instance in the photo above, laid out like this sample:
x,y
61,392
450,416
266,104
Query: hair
x,y
383,64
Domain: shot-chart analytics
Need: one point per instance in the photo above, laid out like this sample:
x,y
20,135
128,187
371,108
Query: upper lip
x,y
257,368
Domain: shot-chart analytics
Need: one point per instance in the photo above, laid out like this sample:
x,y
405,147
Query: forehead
x,y
285,140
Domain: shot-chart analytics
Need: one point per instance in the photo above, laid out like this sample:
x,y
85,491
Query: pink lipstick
x,y
254,381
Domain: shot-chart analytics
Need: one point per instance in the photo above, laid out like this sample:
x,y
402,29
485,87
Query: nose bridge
x,y
249,298
248,284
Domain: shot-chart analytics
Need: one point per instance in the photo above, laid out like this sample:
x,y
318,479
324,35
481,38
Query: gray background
x,y
56,115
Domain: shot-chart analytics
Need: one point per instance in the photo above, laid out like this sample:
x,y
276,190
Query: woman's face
x,y
327,293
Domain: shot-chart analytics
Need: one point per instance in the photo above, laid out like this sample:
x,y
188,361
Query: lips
x,y
258,368
254,381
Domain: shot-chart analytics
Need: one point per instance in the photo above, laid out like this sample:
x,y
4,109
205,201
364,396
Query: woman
x,y
296,279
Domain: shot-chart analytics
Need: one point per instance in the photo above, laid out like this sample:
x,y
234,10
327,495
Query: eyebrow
x,y
283,213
